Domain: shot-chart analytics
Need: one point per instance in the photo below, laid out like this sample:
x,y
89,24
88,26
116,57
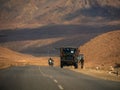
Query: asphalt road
x,y
51,78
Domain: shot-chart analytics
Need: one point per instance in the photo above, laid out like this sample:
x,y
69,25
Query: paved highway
x,y
51,78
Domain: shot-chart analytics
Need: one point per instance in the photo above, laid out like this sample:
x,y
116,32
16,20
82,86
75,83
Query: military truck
x,y
68,56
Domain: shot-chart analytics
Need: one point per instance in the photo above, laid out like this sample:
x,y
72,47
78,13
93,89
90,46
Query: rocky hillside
x,y
19,13
103,50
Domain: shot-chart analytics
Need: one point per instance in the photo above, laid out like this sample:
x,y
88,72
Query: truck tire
x,y
76,65
61,65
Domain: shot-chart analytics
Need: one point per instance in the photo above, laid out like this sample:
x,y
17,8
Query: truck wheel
x,y
61,66
76,66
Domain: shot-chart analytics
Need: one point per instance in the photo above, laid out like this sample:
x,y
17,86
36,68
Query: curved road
x,y
51,78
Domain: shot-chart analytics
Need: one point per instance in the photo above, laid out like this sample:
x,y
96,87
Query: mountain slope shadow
x,y
73,35
107,12
51,31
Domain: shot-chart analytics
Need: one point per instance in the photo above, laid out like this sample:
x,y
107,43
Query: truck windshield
x,y
69,50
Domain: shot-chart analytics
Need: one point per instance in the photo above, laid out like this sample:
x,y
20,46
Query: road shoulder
x,y
106,75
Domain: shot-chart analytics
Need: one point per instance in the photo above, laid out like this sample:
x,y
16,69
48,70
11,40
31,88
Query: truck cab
x,y
69,56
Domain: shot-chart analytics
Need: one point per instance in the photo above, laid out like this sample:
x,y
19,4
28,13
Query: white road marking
x,y
46,75
61,88
55,81
41,71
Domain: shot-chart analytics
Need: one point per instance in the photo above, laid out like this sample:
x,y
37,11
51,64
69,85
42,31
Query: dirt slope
x,y
11,58
102,51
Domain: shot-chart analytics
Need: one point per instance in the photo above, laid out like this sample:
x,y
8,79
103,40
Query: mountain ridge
x,y
46,12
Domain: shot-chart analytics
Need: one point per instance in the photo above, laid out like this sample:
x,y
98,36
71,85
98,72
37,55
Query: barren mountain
x,y
103,50
21,13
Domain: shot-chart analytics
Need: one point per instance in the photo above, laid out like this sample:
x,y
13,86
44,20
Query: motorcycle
x,y
50,62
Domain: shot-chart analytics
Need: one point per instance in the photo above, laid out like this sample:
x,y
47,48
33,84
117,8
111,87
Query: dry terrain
x,y
10,58
102,56
102,51
106,75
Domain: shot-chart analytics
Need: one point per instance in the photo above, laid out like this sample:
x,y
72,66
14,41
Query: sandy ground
x,y
106,75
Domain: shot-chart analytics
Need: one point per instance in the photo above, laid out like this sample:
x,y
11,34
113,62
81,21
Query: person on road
x,y
81,60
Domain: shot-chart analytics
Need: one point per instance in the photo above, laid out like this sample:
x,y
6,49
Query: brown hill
x,y
102,51
21,13
8,54
11,58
